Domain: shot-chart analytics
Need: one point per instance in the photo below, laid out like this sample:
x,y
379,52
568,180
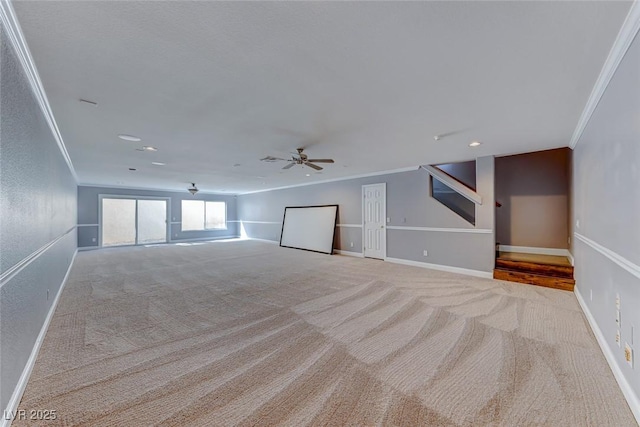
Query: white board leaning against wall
x,y
311,228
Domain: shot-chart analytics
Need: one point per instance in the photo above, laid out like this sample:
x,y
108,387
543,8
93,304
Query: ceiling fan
x,y
299,159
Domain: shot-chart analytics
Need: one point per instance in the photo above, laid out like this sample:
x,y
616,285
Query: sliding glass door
x,y
152,221
133,221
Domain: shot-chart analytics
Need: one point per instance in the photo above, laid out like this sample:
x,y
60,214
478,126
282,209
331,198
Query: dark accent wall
x,y
88,205
408,205
533,189
606,214
37,220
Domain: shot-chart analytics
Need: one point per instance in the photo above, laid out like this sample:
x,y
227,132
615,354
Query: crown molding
x,y
16,38
620,46
346,178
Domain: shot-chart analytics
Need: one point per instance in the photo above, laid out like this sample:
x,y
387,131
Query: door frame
x,y
384,218
136,198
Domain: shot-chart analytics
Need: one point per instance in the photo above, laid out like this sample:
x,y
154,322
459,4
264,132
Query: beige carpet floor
x,y
248,333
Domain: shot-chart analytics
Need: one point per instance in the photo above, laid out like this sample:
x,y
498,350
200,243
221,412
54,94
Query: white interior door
x,y
374,212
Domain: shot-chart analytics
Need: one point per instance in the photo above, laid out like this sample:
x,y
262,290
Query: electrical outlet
x,y
93,239
569,240
388,220
404,220
628,354
425,253
618,338
351,244
618,318
577,223
617,301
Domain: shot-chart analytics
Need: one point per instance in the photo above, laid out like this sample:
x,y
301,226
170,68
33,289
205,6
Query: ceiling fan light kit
x,y
193,190
299,159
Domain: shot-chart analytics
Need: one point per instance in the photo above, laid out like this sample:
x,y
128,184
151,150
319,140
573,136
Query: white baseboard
x,y
349,253
264,240
196,239
536,251
459,270
571,260
12,406
627,390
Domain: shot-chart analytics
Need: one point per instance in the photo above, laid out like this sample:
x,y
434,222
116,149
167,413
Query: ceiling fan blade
x,y
289,166
271,159
320,160
311,165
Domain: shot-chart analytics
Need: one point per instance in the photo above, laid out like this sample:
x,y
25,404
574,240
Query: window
x,y
201,215
215,215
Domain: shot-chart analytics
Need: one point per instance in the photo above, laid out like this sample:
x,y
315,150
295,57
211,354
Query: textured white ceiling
x,y
368,84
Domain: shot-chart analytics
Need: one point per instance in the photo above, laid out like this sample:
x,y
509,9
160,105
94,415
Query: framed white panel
x,y
311,228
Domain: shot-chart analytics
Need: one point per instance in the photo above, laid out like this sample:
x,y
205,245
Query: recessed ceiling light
x,y
308,174
436,137
158,163
149,148
475,144
129,137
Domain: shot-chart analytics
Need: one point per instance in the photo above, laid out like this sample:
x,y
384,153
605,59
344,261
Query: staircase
x,y
541,270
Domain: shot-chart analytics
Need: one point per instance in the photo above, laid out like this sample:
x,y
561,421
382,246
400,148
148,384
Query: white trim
x,y
535,251
450,269
349,225
349,253
571,260
195,239
346,178
618,259
261,222
234,220
627,390
18,267
461,189
161,190
87,225
12,406
620,46
264,240
16,38
445,230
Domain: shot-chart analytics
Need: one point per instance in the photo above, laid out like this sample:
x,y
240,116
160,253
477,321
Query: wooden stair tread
x,y
535,268
535,258
563,283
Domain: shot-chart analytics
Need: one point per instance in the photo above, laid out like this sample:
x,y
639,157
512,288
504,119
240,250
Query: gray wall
x,y
408,205
88,206
533,189
37,207
606,202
